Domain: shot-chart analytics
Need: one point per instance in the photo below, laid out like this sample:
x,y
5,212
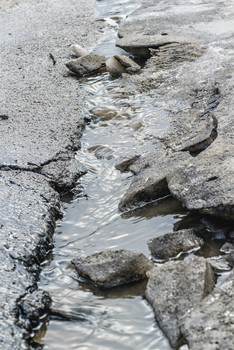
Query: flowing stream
x,y
89,318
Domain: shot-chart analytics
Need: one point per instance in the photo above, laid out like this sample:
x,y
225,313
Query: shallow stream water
x,y
119,318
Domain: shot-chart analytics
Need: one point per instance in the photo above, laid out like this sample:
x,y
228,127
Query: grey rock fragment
x,y
202,122
171,244
101,152
202,183
121,64
150,183
78,50
114,67
174,289
129,65
87,65
124,164
112,268
210,325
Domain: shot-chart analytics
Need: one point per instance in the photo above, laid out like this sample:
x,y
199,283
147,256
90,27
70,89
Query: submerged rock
x,y
171,244
210,325
165,56
105,112
112,268
101,152
206,183
87,65
174,289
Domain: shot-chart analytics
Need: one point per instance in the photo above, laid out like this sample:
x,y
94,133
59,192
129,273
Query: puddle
x,y
120,318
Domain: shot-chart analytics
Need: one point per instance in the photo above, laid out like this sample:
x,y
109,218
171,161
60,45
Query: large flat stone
x,y
179,19
140,44
87,65
112,268
206,183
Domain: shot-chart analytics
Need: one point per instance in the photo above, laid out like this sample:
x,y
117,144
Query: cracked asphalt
x,y
41,121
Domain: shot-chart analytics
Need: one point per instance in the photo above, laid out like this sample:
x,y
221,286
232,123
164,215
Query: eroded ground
x,y
190,77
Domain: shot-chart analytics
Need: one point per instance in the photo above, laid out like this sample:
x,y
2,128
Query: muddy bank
x,y
42,118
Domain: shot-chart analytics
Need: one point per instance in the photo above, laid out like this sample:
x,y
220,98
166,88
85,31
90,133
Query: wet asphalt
x,y
41,121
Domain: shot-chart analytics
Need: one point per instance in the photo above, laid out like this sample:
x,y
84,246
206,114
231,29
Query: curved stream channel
x,y
119,318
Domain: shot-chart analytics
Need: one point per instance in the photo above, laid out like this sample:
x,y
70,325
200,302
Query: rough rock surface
x,y
112,268
78,50
63,174
86,65
150,182
114,67
210,325
230,259
191,80
172,244
140,44
219,263
174,289
130,66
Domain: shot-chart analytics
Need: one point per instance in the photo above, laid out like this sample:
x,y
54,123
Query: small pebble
x,y
78,50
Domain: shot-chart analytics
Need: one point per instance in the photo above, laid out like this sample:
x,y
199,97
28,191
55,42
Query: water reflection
x,y
85,317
